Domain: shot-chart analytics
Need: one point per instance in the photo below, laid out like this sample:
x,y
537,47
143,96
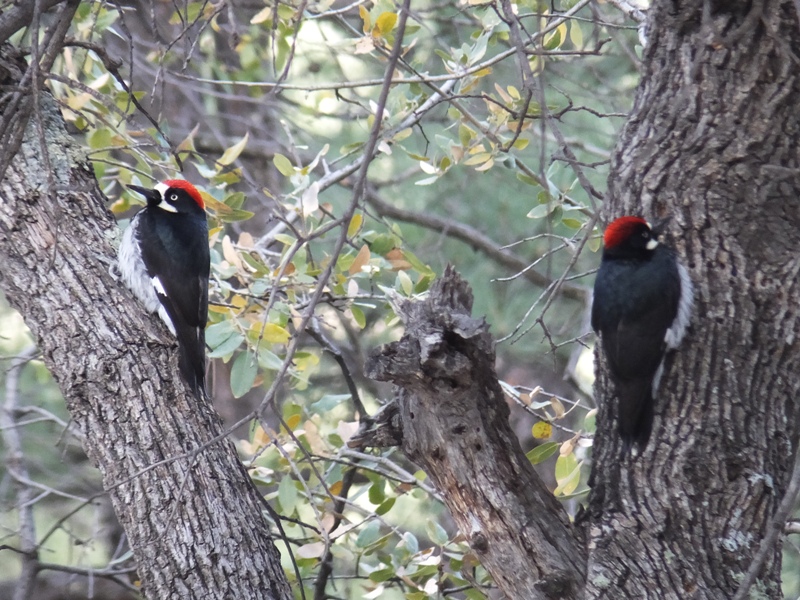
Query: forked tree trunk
x,y
713,143
193,519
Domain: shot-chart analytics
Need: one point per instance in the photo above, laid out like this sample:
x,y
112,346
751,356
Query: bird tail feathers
x,y
635,413
192,359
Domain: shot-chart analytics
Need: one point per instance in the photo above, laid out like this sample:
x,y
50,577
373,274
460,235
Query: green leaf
x,y
243,374
527,179
232,153
328,403
541,210
385,506
381,575
227,347
437,533
409,542
235,216
358,316
589,421
542,453
235,200
269,360
568,474
287,495
283,164
369,534
219,332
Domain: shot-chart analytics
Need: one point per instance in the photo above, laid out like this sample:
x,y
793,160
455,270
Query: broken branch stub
x,y
450,417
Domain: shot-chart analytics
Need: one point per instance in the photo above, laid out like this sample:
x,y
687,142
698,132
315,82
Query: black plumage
x,y
171,233
641,307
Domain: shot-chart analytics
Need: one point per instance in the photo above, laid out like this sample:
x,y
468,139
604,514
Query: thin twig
x,y
774,531
15,464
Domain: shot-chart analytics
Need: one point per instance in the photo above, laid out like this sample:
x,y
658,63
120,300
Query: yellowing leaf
x,y
568,474
283,165
576,35
261,16
232,153
542,430
405,282
261,437
336,487
364,13
239,301
486,166
558,407
403,134
293,421
314,439
478,159
362,258
386,22
503,94
275,334
554,39
355,225
229,253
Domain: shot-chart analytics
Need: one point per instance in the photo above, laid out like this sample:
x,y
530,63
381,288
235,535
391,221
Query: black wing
x,y
178,258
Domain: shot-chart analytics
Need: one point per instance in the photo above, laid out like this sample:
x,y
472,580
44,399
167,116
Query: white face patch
x,y
651,245
158,286
162,188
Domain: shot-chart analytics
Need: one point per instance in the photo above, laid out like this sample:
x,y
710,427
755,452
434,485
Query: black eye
x,y
645,234
173,197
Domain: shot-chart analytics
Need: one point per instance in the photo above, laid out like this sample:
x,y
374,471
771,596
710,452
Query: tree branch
x,y
474,239
451,418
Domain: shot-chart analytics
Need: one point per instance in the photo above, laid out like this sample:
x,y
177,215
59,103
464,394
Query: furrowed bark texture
x,y
712,142
451,418
194,523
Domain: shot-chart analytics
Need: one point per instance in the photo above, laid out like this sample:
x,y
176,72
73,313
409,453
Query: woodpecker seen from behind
x,y
641,308
164,260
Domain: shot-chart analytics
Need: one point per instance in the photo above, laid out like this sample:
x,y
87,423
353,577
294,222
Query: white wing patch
x,y
158,286
675,333
132,269
134,274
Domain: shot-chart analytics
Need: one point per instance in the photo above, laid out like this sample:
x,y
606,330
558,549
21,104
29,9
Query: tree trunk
x,y
712,142
451,418
192,516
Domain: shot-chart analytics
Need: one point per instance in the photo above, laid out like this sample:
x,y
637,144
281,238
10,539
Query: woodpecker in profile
x,y
164,260
641,308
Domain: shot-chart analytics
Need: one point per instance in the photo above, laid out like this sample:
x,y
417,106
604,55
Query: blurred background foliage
x,y
492,155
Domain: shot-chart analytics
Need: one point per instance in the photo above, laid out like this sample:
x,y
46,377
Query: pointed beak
x,y
150,195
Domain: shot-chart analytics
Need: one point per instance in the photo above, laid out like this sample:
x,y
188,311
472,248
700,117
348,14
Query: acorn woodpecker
x,y
641,308
164,260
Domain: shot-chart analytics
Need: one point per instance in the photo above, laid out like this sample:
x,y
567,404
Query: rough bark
x,y
192,516
712,142
450,417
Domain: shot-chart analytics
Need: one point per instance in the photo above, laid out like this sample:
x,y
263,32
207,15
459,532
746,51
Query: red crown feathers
x,y
621,229
188,188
